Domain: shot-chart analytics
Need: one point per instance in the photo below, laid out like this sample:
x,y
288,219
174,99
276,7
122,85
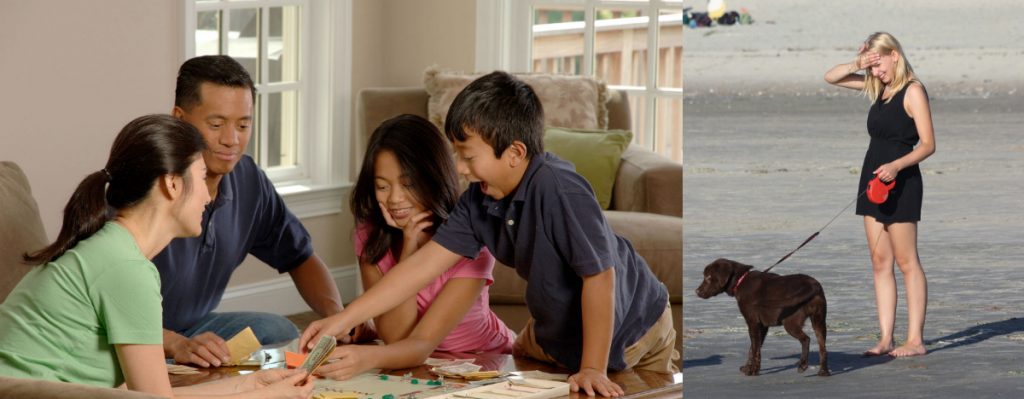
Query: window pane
x,y
253,149
282,128
620,47
244,39
208,33
638,110
283,44
670,49
558,41
668,126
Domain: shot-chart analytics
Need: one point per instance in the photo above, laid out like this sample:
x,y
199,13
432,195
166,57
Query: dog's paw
x,y
801,367
824,372
749,370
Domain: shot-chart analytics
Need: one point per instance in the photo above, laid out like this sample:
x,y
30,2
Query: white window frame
x,y
317,185
504,41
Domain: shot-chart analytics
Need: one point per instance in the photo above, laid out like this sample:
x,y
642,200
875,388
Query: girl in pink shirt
x,y
404,191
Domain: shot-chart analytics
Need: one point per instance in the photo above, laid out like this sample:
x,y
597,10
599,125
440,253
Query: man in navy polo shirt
x,y
245,216
594,303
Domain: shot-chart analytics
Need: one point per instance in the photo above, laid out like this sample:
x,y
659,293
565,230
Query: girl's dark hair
x,y
425,158
146,148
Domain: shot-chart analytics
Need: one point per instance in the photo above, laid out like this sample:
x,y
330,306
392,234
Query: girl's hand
x,y
887,172
349,361
331,326
412,233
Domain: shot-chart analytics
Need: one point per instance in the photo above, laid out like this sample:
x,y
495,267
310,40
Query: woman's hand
x,y
349,361
280,383
887,172
412,232
866,59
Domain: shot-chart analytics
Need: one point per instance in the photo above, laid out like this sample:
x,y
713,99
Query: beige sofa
x,y
21,230
646,208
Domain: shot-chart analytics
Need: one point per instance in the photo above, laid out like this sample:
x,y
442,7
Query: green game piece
x,y
388,396
415,381
383,377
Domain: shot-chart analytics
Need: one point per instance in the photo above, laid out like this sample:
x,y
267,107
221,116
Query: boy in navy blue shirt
x,y
594,303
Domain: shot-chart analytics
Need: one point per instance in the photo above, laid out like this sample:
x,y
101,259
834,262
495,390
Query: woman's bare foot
x,y
879,350
907,350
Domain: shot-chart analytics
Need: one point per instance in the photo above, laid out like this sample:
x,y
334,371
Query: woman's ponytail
x,y
146,148
84,215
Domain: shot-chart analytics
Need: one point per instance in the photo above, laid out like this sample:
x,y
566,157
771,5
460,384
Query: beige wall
x,y
71,79
72,74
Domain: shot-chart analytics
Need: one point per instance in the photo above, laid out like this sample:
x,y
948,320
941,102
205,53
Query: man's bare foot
x,y
879,350
907,350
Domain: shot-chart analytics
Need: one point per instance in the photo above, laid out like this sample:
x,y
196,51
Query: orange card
x,y
293,360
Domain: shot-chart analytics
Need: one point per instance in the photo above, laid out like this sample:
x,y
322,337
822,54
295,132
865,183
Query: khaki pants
x,y
654,351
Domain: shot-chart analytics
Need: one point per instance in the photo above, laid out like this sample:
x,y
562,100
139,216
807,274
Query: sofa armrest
x,y
648,182
21,228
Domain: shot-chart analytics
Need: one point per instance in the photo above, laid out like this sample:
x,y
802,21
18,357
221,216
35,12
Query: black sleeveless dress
x,y
893,135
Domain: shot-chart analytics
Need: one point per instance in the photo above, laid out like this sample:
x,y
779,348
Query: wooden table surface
x,y
636,384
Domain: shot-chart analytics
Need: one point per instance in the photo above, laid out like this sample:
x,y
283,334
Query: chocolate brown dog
x,y
766,300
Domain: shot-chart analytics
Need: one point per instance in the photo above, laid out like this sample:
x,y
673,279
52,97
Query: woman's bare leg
x,y
904,243
885,283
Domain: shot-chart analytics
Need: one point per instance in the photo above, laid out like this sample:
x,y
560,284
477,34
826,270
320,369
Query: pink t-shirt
x,y
480,329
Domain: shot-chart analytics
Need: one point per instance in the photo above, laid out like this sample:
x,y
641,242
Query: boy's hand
x,y
328,326
280,383
591,380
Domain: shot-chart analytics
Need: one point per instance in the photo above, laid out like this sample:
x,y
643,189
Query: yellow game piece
x,y
242,345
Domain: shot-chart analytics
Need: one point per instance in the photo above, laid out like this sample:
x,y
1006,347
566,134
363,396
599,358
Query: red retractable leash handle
x,y
878,193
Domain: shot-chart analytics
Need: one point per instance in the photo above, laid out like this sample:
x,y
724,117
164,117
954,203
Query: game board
x,y
376,386
522,388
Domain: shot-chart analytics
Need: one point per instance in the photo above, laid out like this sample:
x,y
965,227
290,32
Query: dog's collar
x,y
739,281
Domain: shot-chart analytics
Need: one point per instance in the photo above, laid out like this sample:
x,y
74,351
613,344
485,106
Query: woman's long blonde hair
x,y
884,43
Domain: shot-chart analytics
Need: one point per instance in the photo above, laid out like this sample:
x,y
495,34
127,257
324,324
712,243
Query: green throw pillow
x,y
596,154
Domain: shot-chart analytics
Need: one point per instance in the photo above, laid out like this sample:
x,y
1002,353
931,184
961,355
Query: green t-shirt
x,y
62,320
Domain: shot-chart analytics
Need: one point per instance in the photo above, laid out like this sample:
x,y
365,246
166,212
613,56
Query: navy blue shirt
x,y
552,231
247,217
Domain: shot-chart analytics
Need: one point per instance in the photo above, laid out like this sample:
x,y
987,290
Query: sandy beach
x,y
772,153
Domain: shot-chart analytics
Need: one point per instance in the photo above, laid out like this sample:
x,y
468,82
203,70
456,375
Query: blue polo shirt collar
x,y
500,208
225,192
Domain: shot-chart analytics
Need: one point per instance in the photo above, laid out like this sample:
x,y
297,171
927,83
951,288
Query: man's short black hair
x,y
217,69
501,109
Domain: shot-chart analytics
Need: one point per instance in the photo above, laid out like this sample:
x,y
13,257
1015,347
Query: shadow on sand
x,y
707,361
838,363
976,334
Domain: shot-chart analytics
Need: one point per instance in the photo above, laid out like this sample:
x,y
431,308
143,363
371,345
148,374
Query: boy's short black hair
x,y
501,109
221,70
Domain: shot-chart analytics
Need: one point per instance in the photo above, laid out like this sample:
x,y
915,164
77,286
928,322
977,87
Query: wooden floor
x,y
302,320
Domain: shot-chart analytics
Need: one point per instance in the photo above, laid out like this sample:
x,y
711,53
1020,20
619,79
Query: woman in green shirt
x,y
90,312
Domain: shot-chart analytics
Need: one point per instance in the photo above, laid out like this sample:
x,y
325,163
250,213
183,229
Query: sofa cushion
x,y
657,238
21,228
595,153
569,101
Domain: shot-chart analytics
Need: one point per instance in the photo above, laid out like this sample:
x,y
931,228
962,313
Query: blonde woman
x,y
900,126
